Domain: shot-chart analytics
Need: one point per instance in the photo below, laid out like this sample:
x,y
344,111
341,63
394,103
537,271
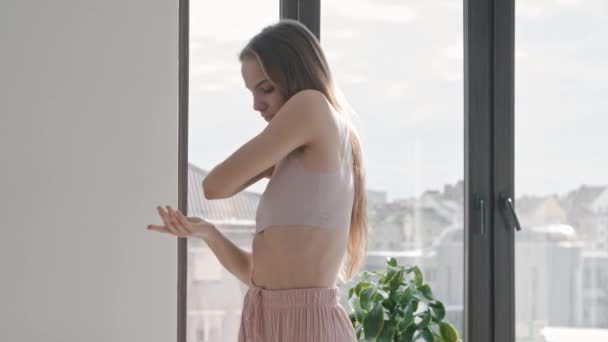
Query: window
x,y
220,115
393,60
561,182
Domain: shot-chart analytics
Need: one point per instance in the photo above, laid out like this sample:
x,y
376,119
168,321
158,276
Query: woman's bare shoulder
x,y
313,97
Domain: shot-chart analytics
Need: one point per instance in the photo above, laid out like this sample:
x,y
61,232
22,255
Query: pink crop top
x,y
299,196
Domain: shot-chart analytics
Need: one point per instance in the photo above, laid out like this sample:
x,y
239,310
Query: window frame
x,y
489,34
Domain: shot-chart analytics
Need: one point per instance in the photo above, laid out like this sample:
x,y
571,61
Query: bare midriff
x,y
296,256
289,257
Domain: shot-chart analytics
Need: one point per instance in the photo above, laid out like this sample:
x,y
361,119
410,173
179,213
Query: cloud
x,y
395,76
396,89
369,10
521,54
223,21
569,3
206,66
213,87
455,51
523,9
352,78
342,34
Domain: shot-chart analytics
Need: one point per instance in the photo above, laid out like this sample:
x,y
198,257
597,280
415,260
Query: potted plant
x,y
398,307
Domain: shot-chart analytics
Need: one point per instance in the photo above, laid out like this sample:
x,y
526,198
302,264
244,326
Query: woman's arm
x,y
255,179
299,122
234,259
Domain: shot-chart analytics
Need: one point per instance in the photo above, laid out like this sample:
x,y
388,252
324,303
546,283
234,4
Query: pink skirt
x,y
294,315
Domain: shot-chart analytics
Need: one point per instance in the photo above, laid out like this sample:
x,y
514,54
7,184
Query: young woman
x,y
311,224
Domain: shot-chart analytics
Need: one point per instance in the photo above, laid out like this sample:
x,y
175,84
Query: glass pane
x,y
401,66
221,119
561,170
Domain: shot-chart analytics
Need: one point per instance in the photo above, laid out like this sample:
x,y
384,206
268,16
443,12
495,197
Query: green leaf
x,y
414,305
396,281
406,296
390,306
395,296
374,321
385,309
390,275
362,285
448,332
366,297
426,319
417,276
382,293
388,332
392,269
393,275
359,312
393,299
408,335
427,335
358,331
408,319
438,310
426,291
351,291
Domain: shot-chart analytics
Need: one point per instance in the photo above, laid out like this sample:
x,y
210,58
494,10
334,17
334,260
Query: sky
x,y
400,66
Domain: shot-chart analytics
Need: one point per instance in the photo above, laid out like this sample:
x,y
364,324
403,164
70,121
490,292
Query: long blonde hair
x,y
292,57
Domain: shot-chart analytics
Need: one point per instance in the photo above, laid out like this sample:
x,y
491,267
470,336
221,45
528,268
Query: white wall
x,y
88,148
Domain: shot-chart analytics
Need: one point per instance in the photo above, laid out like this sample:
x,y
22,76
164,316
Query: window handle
x,y
480,205
506,204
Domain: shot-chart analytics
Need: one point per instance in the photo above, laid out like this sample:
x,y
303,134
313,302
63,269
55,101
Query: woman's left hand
x,y
181,226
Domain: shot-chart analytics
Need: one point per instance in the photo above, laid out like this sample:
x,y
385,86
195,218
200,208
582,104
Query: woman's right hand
x,y
177,224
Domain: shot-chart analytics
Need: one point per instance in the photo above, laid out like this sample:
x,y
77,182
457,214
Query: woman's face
x,y
267,99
